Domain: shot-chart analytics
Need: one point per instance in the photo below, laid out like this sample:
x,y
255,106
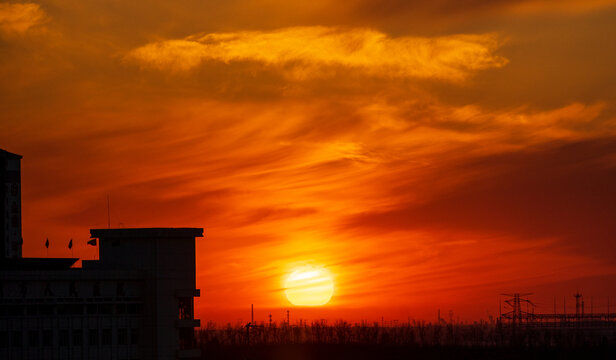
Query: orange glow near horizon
x,y
427,155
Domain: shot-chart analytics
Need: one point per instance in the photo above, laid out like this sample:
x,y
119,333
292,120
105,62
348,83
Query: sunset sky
x,y
428,154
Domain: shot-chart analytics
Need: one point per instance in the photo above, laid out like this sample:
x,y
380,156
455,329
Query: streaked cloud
x,y
20,18
308,50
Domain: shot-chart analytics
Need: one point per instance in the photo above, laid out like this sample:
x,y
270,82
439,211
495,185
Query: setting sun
x,y
309,286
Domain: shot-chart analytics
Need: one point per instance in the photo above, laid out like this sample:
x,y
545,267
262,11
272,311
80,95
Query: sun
x,y
309,286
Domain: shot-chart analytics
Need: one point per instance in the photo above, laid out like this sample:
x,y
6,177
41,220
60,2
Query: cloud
x,y
20,18
560,190
310,50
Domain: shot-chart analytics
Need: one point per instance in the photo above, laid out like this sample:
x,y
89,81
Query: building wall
x,y
10,205
136,302
71,314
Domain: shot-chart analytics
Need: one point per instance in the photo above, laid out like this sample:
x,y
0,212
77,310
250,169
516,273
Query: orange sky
x,y
430,156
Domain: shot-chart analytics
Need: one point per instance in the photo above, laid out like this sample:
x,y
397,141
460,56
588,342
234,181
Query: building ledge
x,y
181,293
146,233
185,323
189,354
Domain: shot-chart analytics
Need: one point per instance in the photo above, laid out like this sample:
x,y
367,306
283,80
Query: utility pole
x,y
288,318
578,297
108,216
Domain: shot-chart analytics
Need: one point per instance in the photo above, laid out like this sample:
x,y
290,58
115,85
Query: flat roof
x,y
136,233
37,263
5,153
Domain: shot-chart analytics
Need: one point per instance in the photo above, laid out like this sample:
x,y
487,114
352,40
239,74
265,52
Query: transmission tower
x,y
516,315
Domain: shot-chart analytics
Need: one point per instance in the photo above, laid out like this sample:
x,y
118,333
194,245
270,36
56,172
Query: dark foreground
x,y
355,351
415,340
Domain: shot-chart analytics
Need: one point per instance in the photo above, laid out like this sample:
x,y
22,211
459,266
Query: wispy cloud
x,y
20,18
307,50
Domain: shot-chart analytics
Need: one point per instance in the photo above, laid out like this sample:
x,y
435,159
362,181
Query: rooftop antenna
x,y
108,217
252,314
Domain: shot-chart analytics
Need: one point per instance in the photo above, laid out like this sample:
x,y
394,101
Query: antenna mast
x,y
108,217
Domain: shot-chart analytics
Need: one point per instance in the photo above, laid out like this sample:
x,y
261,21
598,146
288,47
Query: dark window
x,y
47,338
63,338
46,309
96,291
134,336
76,309
93,337
121,308
16,339
77,337
122,336
32,310
15,310
105,309
132,309
72,290
91,309
33,338
120,289
4,339
185,308
107,337
187,338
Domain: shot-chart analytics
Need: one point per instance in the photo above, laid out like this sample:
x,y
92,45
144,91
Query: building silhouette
x,y
135,302
10,205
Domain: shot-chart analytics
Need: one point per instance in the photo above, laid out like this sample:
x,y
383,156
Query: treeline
x,y
412,334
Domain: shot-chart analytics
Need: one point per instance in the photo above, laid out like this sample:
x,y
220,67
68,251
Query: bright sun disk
x,y
309,286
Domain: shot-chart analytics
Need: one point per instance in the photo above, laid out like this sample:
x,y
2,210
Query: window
x,y
120,289
107,337
134,336
32,310
33,338
16,339
105,309
93,337
15,310
121,308
132,309
4,339
47,338
187,338
46,309
72,289
63,338
76,309
122,336
185,308
48,291
77,337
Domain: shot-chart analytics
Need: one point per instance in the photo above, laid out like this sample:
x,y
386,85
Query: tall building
x,y
135,302
10,205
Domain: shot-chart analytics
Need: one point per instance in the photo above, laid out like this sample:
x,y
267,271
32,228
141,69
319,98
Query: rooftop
x,y
4,153
135,233
37,263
